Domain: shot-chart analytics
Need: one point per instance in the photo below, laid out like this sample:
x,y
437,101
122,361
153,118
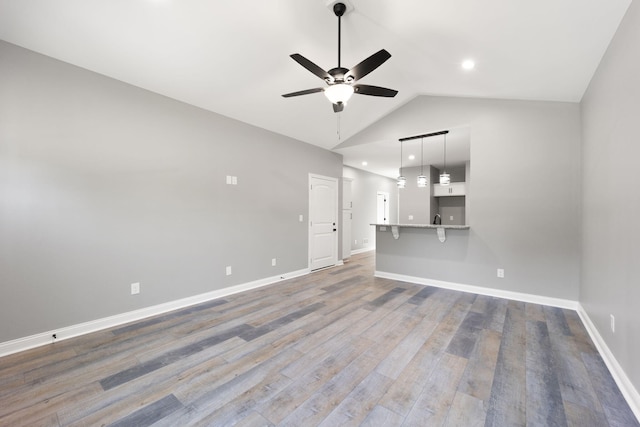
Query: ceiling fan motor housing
x,y
338,75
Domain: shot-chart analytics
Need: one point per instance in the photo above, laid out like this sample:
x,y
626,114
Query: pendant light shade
x,y
402,181
422,180
445,178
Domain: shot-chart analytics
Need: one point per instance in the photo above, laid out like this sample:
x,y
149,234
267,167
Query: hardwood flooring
x,y
337,347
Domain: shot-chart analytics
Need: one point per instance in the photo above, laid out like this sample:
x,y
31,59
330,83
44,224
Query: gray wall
x,y
415,201
611,198
524,198
452,210
103,184
364,189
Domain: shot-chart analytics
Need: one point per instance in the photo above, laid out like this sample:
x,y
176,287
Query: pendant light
x,y
422,180
445,178
402,181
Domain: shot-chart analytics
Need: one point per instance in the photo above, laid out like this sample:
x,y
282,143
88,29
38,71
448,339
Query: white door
x,y
382,216
323,226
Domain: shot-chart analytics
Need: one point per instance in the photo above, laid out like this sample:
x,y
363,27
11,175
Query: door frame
x,y
338,220
387,210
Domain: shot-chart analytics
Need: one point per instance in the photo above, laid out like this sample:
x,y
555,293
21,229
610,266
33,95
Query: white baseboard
x,y
21,344
622,380
362,250
500,293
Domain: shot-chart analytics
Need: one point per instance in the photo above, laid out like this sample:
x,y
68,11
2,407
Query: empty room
x,y
319,212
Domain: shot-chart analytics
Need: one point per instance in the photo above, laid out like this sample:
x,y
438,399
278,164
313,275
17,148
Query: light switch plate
x,y
135,288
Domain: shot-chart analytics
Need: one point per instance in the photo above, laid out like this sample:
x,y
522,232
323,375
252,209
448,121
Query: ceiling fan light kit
x,y
339,93
342,82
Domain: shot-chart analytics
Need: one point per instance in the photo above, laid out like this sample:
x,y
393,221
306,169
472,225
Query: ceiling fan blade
x,y
338,107
312,67
368,65
374,91
303,92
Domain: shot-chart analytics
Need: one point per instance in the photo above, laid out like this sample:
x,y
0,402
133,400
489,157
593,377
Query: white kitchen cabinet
x,y
453,189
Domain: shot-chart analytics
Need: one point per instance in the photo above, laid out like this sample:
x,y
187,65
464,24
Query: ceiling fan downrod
x,y
339,9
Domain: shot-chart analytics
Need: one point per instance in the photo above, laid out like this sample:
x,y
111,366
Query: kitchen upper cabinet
x,y
453,189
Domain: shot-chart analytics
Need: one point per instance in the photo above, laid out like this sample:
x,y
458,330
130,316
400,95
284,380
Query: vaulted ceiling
x,y
232,57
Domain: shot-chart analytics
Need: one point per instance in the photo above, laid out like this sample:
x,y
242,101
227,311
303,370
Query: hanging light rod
x,y
426,135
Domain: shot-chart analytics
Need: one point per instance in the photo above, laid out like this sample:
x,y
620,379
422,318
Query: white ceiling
x,y
232,57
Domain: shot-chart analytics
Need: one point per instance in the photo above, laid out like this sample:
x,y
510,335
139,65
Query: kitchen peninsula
x,y
440,229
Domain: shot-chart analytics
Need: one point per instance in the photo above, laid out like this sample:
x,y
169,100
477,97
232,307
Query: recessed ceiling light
x,y
468,64
411,157
364,163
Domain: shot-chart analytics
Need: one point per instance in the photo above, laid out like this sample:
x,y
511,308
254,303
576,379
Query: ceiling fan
x,y
342,83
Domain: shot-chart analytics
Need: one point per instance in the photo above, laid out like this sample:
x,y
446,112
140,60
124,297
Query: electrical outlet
x,y
228,270
273,262
450,217
300,218
234,180
410,217
365,241
501,273
613,323
355,242
135,288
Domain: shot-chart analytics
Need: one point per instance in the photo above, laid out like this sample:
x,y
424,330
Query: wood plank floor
x,y
337,347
